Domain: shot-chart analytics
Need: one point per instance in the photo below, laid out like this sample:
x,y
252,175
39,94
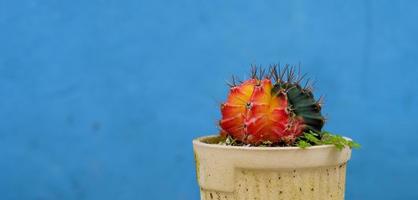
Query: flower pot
x,y
267,173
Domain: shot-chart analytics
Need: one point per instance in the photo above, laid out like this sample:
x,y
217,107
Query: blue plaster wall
x,y
101,99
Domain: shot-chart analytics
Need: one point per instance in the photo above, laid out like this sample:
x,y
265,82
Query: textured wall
x,y
101,99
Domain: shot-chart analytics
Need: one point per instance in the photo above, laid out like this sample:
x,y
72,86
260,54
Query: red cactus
x,y
258,111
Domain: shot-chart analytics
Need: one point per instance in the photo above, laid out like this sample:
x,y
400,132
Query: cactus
x,y
270,108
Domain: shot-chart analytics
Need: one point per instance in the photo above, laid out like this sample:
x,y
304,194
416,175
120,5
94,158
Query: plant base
x,y
267,173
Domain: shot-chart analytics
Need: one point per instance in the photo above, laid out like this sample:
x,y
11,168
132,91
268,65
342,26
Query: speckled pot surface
x,y
267,173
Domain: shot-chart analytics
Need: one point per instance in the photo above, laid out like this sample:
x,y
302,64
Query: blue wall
x,y
101,99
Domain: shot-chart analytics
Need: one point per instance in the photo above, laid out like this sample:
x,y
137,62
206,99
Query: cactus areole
x,y
270,107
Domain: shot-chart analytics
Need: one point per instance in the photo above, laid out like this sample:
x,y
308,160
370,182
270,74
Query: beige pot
x,y
267,173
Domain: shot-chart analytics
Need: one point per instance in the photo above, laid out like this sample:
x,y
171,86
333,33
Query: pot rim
x,y
198,141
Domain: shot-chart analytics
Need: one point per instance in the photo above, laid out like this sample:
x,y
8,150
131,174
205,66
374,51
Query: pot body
x,y
267,173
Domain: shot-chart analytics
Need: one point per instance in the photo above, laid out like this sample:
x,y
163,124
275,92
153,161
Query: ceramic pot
x,y
267,173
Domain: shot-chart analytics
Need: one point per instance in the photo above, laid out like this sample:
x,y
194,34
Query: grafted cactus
x,y
270,107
